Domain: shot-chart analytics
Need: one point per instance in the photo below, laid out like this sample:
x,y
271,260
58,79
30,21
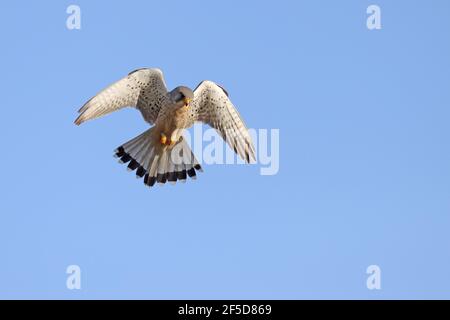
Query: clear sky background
x,y
364,152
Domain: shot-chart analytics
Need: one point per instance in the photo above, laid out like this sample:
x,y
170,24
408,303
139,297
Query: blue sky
x,y
364,152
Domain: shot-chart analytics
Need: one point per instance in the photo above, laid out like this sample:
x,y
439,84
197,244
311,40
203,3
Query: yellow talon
x,y
163,138
165,141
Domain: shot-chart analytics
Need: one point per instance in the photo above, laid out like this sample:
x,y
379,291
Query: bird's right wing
x,y
212,105
144,89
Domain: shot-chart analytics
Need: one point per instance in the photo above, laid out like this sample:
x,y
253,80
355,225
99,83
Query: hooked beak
x,y
186,102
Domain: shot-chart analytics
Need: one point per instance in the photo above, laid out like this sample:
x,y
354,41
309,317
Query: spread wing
x,y
144,89
211,105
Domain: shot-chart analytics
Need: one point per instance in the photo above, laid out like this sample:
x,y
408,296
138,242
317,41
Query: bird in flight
x,y
161,154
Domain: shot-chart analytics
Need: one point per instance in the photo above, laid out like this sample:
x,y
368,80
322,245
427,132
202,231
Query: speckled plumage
x,y
143,89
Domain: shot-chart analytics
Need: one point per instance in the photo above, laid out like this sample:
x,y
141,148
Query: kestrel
x,y
160,154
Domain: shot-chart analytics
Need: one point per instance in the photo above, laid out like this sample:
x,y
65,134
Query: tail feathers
x,y
157,163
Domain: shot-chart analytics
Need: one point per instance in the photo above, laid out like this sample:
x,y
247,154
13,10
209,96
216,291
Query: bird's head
x,y
182,96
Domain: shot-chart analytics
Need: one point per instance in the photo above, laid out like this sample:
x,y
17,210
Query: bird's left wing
x,y
143,89
211,105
